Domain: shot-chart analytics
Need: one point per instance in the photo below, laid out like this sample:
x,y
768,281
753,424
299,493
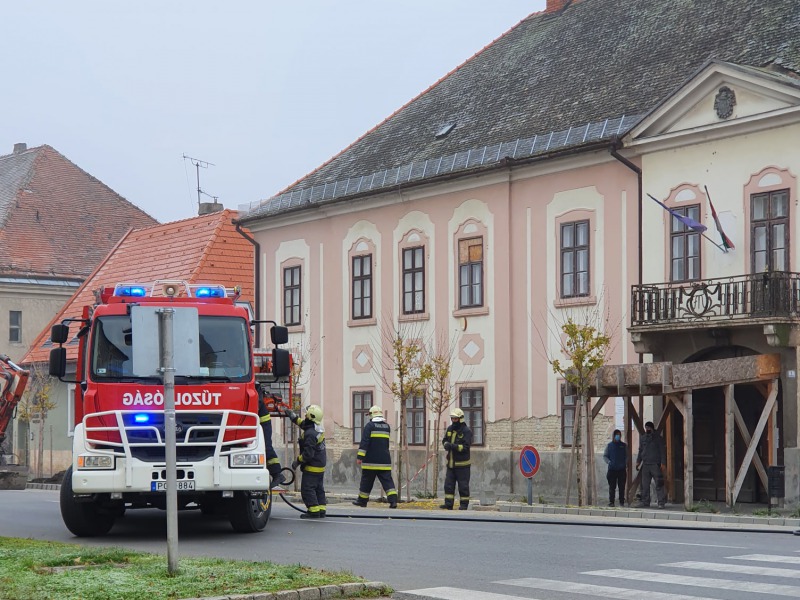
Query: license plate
x,y
161,486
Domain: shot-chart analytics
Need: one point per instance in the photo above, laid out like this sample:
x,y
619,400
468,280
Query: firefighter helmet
x,y
314,414
375,411
457,413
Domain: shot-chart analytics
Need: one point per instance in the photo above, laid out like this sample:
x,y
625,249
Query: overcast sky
x,y
267,90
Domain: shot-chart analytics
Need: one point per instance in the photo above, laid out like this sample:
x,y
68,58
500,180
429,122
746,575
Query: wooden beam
x,y
730,434
637,419
629,451
669,428
599,406
742,427
751,448
688,451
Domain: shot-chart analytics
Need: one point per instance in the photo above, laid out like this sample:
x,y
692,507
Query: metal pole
x,y
530,491
168,371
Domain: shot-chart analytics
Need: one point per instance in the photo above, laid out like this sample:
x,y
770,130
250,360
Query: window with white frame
x,y
575,259
470,272
291,295
414,280
15,326
471,402
362,287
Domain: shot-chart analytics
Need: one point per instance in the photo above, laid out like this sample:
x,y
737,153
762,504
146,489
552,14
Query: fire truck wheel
x,y
249,512
84,519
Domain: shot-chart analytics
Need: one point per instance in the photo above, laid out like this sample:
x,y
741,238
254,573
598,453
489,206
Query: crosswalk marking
x,y
594,590
789,560
744,569
450,593
707,582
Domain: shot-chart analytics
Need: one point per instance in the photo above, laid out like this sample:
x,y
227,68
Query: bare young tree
x,y
403,373
35,407
441,390
305,360
584,339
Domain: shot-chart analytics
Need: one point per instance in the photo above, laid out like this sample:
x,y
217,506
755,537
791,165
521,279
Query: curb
x,y
594,511
345,590
660,514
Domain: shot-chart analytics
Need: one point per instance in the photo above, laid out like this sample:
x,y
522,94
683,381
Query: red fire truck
x,y
118,460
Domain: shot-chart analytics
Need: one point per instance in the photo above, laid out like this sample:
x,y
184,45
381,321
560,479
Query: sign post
x,y
528,465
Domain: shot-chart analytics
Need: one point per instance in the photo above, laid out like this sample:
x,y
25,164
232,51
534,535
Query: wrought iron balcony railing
x,y
772,294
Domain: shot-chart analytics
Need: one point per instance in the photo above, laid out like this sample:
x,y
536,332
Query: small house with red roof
x,y
203,249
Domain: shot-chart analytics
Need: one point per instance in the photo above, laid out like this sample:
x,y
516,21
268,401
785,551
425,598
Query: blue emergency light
x,y
141,418
210,291
134,291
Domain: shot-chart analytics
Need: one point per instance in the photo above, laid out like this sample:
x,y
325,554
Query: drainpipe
x,y
256,278
629,436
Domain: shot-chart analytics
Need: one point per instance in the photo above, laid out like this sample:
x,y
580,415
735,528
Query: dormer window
x,y
444,130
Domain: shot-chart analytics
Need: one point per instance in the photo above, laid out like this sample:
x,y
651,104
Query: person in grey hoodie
x,y
652,461
616,457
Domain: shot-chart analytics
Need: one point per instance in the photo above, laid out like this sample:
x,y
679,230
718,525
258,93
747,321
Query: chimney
x,y
556,5
20,147
206,208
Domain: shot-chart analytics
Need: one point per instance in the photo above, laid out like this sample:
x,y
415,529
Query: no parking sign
x,y
529,461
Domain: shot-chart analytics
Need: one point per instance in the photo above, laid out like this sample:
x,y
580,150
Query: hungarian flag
x,y
726,241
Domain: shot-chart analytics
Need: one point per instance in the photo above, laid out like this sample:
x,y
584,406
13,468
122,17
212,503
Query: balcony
x,y
768,297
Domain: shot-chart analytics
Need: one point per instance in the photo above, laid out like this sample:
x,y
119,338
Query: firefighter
x,y
311,461
273,462
374,459
457,440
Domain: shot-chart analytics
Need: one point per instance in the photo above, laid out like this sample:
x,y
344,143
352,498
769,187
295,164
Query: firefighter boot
x,y
447,505
463,505
362,502
310,515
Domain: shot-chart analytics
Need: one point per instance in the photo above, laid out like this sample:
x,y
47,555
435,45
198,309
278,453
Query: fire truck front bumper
x,y
145,477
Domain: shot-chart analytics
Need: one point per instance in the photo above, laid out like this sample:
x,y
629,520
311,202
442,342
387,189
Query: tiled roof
x,y
595,60
56,220
205,249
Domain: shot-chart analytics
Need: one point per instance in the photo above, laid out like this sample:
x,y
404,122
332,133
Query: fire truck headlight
x,y
247,461
86,461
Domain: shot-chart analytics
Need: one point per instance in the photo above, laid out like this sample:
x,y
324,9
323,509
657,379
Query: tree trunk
x,y
591,497
435,452
579,455
585,474
400,447
40,449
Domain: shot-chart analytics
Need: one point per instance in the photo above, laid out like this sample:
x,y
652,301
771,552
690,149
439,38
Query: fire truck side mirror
x,y
59,333
280,363
58,362
279,335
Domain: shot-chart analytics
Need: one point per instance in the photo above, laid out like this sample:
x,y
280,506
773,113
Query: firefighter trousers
x,y
312,492
273,462
458,476
368,481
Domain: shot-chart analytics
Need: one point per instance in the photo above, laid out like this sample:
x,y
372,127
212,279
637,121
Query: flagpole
x,y
725,250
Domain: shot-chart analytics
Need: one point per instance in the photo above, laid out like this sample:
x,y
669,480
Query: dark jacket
x,y
460,436
373,451
652,450
312,447
616,455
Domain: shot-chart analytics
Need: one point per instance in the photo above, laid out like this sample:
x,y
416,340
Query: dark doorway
x,y
708,409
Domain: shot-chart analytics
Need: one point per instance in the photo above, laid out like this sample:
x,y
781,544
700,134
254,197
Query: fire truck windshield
x,y
223,348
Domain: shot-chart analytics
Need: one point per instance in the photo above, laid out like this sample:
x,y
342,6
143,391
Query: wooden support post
x,y
740,425
751,448
688,451
730,439
599,406
629,458
592,471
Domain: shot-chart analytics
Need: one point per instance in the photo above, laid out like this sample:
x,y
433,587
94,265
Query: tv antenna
x,y
197,164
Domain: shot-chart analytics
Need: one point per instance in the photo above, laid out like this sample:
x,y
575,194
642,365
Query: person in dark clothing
x,y
311,461
273,462
652,460
457,441
616,457
375,460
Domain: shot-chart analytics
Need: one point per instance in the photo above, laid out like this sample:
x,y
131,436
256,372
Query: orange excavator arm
x,y
13,380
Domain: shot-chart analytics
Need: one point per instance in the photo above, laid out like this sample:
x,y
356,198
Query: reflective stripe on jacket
x,y
373,451
311,444
460,436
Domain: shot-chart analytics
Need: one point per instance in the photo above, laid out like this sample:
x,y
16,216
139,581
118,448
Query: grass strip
x,y
37,570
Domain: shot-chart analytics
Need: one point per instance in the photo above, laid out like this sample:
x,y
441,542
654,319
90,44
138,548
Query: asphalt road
x,y
463,561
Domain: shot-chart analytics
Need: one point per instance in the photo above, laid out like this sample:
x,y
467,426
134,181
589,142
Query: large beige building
x,y
513,194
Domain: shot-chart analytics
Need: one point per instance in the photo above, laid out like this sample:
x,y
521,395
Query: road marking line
x,y
707,582
777,558
597,537
744,569
594,590
450,593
